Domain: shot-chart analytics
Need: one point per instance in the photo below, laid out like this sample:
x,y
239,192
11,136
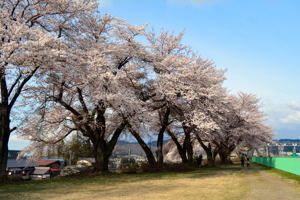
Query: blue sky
x,y
257,41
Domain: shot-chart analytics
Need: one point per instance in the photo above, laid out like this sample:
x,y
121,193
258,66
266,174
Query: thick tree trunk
x,y
225,157
209,152
101,162
159,149
188,144
210,159
160,138
147,150
181,150
4,138
104,149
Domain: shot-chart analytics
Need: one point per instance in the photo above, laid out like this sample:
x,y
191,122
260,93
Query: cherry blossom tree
x,y
220,122
30,38
94,91
91,74
165,52
246,129
235,121
197,85
181,79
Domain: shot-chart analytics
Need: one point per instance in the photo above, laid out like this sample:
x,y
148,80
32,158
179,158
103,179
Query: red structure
x,y
53,164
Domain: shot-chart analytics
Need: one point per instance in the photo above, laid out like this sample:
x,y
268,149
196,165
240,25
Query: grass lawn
x,y
226,183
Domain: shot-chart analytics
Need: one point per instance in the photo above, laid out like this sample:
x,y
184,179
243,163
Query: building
x,y
49,163
282,147
54,165
14,164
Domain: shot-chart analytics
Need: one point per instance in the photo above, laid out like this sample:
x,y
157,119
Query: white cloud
x,y
293,114
291,118
294,105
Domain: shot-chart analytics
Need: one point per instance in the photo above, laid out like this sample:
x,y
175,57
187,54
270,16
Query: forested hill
x,y
289,140
124,147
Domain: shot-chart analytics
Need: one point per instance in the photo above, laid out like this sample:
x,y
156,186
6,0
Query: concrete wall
x,y
288,164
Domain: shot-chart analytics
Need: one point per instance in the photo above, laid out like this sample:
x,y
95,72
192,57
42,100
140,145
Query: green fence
x,y
288,164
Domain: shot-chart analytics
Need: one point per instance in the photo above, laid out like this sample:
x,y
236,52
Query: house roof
x,y
13,163
59,159
46,162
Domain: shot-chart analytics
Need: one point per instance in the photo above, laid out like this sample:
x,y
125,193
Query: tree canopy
x,y
99,76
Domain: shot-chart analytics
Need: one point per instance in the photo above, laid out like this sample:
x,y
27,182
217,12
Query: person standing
x,y
242,160
248,161
198,161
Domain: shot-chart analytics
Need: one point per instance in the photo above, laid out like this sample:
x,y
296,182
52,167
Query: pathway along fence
x,y
288,164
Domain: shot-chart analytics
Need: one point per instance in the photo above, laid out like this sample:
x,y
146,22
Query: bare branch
x,y
20,87
80,97
14,84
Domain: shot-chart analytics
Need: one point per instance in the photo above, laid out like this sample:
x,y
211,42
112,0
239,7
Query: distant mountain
x,y
124,147
289,140
153,143
122,142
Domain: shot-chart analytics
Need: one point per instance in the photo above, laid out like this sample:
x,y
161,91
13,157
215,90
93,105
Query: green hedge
x,y
288,164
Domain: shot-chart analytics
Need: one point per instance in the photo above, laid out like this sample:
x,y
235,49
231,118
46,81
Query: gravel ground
x,y
266,185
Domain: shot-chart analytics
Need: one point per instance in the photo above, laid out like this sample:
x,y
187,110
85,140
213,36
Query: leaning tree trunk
x,y
160,138
181,150
188,144
146,149
159,149
209,152
210,159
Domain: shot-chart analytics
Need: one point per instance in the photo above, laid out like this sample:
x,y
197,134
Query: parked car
x,y
27,172
14,171
41,173
14,174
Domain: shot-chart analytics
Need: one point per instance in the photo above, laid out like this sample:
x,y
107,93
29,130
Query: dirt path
x,y
265,185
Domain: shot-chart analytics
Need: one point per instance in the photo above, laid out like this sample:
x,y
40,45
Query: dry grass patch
x,y
215,184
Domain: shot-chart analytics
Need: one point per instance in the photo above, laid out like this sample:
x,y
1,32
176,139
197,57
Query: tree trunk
x,y
225,157
181,150
101,162
4,138
104,149
210,159
4,126
160,138
5,109
209,153
188,144
159,149
147,150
